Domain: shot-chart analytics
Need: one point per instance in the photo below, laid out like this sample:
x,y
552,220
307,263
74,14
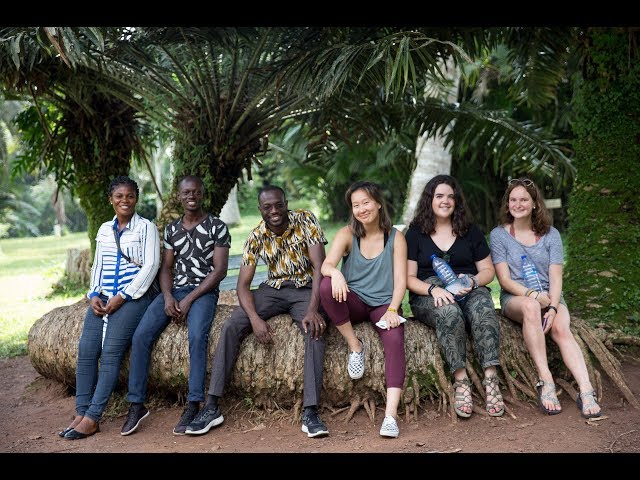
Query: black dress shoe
x,y
75,435
65,431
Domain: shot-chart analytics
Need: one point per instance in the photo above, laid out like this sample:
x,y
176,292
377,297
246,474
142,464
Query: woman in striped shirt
x,y
126,261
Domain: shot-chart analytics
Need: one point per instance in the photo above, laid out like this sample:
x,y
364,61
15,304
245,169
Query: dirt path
x,y
33,409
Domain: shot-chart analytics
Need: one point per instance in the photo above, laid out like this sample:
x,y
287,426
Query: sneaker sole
x,y
389,434
136,425
213,423
321,433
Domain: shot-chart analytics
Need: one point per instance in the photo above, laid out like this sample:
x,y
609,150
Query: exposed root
x,y
508,398
445,388
297,411
624,340
480,411
608,362
508,410
370,411
416,391
355,405
338,411
567,386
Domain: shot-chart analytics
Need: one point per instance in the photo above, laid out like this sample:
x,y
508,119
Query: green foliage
x,y
603,271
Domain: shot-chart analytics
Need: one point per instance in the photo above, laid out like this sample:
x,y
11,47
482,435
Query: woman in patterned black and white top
x,y
120,278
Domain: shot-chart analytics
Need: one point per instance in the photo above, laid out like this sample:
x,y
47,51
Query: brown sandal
x,y
461,397
497,404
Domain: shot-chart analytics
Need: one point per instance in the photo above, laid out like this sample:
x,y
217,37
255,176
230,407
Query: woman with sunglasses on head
x,y
526,230
442,226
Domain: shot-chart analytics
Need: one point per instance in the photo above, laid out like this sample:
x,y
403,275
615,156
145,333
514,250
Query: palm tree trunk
x,y
433,158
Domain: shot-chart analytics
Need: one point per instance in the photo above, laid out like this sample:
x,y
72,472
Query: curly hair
x,y
375,192
425,219
123,180
540,216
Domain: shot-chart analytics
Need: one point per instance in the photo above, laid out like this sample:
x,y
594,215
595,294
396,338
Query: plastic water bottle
x,y
530,274
452,282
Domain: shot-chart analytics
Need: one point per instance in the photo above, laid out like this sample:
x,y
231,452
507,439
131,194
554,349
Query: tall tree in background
x,y
217,90
77,128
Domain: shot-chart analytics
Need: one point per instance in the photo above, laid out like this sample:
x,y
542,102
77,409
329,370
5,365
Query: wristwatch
x,y
124,297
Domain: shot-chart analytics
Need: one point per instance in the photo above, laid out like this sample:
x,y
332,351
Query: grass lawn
x,y
28,269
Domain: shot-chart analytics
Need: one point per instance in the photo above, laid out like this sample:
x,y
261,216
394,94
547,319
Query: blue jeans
x,y
93,387
199,320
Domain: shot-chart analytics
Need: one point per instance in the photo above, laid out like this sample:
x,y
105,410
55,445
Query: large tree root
x,y
271,375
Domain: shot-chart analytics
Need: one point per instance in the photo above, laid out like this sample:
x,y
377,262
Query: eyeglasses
x,y
526,182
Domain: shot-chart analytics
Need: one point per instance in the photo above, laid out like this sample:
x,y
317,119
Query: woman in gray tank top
x,y
369,287
526,230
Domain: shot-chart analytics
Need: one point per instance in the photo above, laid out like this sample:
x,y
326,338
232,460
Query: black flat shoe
x,y
75,435
65,431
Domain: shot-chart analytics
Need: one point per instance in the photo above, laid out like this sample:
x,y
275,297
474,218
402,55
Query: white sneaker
x,y
355,367
389,427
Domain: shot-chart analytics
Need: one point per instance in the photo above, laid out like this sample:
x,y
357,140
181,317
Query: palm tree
x,y
216,90
77,128
422,63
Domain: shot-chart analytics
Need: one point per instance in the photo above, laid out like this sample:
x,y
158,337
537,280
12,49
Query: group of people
x,y
378,263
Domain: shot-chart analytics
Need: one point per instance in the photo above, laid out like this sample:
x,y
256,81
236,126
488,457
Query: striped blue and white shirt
x,y
111,273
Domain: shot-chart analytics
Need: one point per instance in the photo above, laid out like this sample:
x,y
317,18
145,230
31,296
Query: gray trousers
x,y
476,311
270,302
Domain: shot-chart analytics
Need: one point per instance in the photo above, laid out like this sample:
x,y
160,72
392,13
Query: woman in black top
x,y
442,226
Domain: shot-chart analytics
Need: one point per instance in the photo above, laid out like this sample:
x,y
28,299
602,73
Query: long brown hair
x,y
425,219
375,192
540,216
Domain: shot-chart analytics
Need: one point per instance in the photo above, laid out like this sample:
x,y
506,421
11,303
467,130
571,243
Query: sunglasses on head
x,y
526,182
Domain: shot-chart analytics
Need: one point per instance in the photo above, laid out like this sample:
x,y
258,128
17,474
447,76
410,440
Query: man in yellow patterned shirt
x,y
291,243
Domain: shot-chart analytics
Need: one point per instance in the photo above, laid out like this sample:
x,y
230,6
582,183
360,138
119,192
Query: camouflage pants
x,y
475,313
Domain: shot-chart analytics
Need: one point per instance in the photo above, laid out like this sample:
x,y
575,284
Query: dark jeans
x,y
199,320
93,386
270,302
355,310
475,311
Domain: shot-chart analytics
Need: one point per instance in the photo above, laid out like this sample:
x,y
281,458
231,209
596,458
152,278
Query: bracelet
x,y
537,294
433,285
394,310
474,283
551,307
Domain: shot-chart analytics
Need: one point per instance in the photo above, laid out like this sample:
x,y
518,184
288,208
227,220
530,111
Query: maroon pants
x,y
355,311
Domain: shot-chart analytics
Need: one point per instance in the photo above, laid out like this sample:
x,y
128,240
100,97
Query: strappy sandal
x,y
461,397
589,401
549,396
497,404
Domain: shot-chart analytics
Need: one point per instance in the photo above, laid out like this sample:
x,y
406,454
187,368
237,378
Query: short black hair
x,y
269,188
193,178
123,180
